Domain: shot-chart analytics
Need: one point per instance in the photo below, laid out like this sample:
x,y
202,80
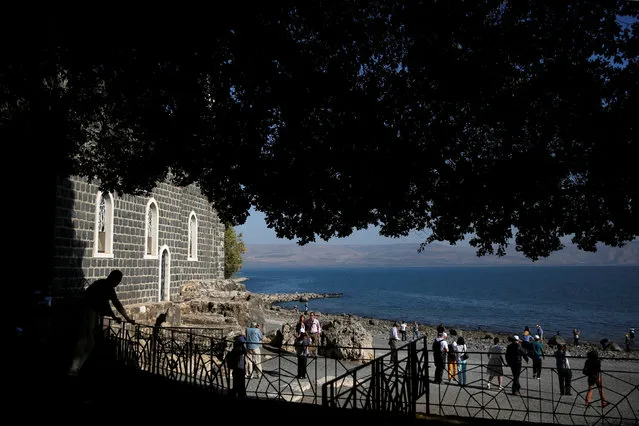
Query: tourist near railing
x,y
195,357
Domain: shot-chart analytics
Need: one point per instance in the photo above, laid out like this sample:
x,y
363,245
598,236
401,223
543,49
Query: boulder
x,y
346,339
613,347
556,340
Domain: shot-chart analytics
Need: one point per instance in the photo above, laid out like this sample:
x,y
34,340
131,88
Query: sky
x,y
254,231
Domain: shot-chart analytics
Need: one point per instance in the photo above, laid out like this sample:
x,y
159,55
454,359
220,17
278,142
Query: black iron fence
x,y
385,383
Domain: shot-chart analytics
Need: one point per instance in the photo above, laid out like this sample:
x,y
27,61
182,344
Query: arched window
x,y
152,221
103,234
192,250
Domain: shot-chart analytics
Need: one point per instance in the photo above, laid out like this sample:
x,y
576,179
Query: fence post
x,y
427,368
413,388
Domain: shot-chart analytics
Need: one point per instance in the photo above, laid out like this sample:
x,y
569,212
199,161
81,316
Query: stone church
x,y
159,241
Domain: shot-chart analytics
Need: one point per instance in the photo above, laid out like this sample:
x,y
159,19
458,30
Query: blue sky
x,y
254,231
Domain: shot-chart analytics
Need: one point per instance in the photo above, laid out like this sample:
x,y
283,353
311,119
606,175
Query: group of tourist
x,y
452,357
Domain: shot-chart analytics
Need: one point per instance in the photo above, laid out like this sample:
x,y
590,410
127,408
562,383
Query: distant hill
x,y
285,255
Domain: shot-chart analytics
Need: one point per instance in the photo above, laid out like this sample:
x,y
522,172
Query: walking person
x,y
301,348
495,363
514,354
440,351
592,369
393,338
462,359
253,345
537,356
563,369
95,305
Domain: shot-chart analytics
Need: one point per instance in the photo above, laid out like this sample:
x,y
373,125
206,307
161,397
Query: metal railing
x,y
400,386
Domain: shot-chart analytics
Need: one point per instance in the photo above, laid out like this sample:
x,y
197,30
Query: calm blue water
x,y
600,301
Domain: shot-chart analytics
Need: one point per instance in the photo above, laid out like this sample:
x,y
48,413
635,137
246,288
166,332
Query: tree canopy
x,y
499,119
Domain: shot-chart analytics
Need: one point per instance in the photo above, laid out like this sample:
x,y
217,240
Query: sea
x,y
601,301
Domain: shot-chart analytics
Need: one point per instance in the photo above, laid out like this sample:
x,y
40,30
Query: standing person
x,y
592,369
514,354
403,327
301,348
627,341
527,341
236,361
452,361
393,337
440,350
306,307
495,363
631,333
314,329
540,332
462,358
537,356
301,325
95,305
415,330
253,345
575,335
563,369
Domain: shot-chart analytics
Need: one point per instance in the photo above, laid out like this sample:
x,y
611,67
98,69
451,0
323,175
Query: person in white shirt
x,y
402,329
393,337
440,353
314,330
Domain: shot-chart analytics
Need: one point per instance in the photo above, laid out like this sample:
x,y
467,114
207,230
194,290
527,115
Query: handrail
x,y
384,385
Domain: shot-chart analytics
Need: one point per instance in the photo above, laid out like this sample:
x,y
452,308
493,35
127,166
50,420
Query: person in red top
x,y
96,305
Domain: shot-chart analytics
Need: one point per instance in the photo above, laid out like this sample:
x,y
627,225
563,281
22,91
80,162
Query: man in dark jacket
x,y
514,353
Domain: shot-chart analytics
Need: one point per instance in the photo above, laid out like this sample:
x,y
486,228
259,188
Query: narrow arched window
x,y
152,221
103,233
192,249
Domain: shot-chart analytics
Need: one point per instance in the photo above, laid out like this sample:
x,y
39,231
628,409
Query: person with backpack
x,y
452,361
440,353
563,369
462,358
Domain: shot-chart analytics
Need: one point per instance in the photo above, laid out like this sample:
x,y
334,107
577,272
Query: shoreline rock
x,y
477,340
226,306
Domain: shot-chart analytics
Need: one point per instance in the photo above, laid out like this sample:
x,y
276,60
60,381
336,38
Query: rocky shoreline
x,y
226,306
476,340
